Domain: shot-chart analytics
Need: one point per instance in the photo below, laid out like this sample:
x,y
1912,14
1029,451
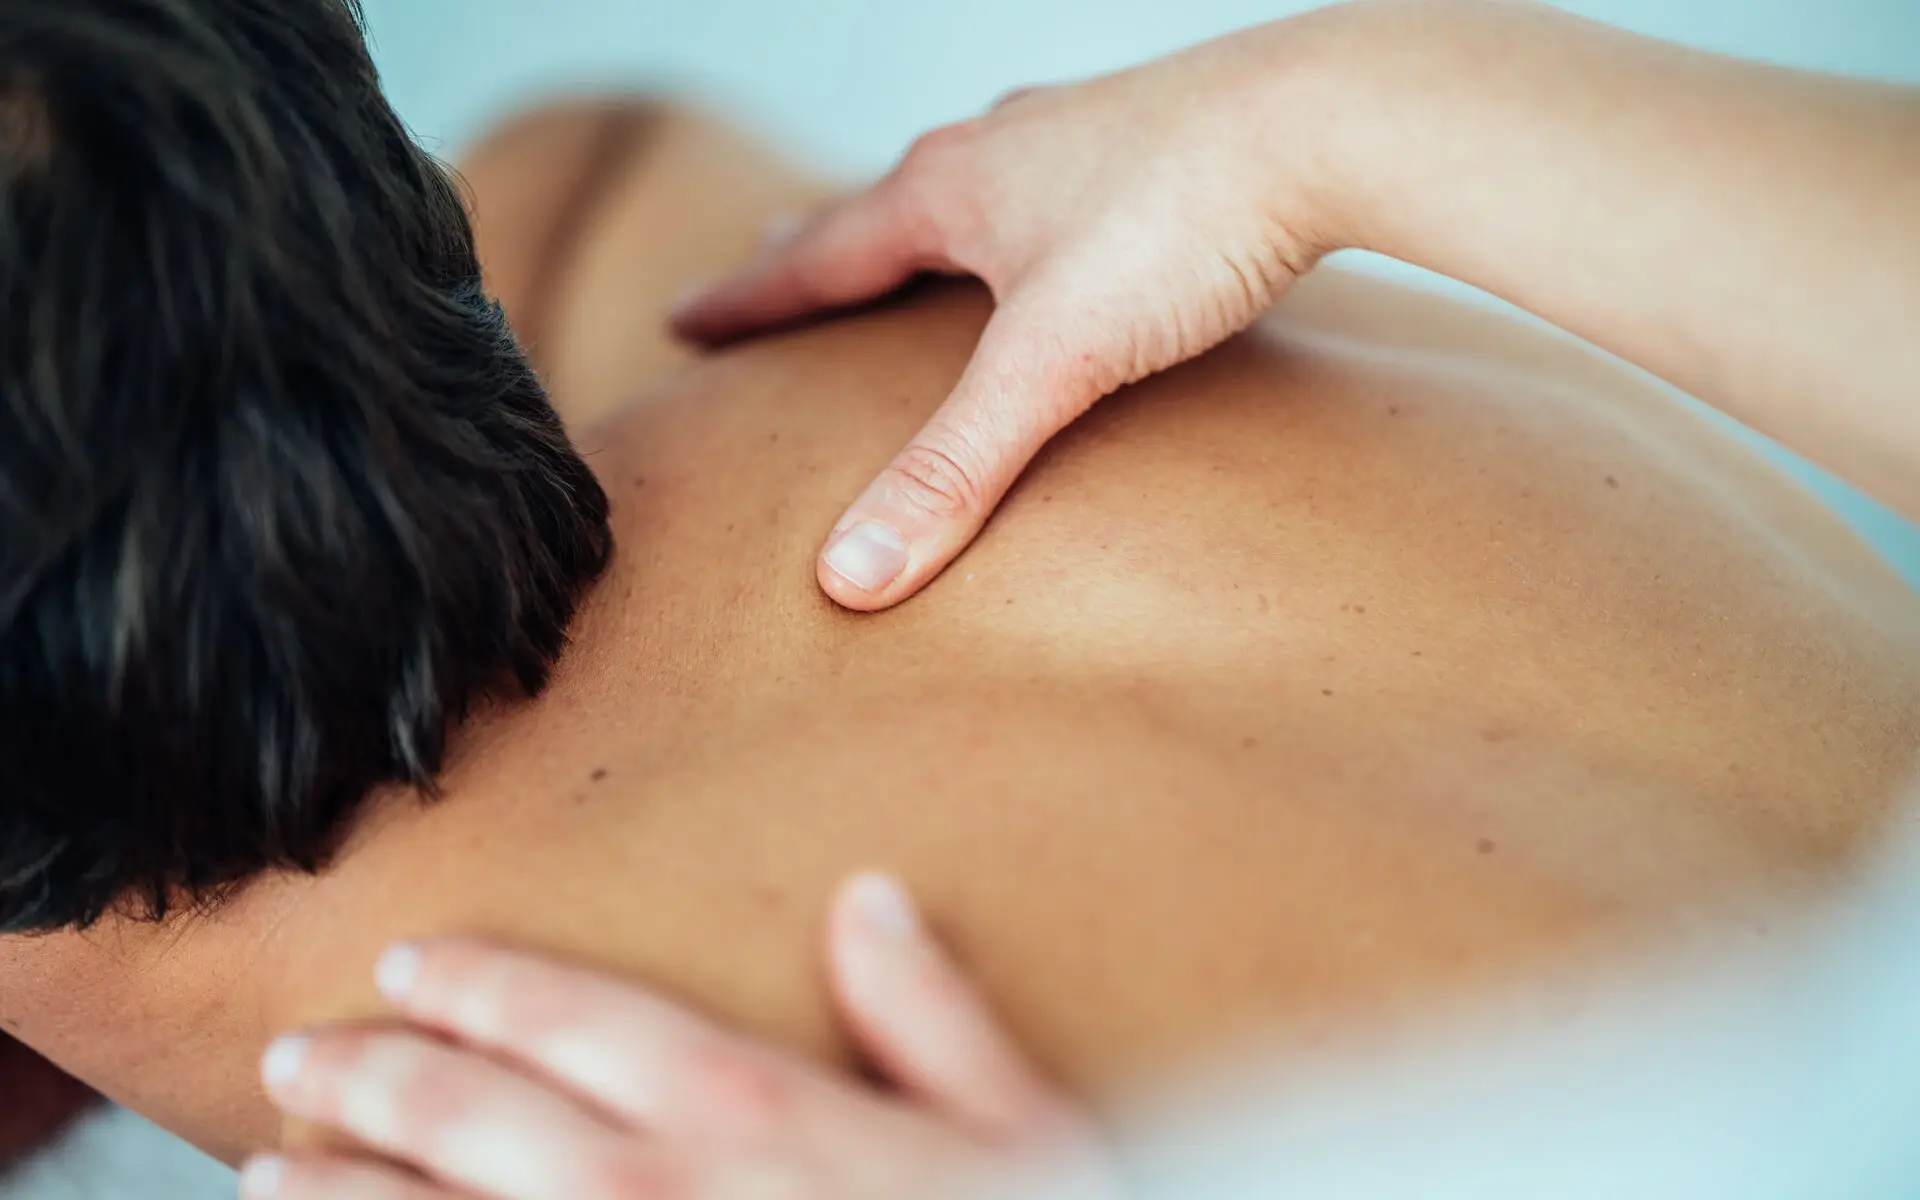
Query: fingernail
x,y
281,1064
779,230
399,969
263,1176
869,556
884,905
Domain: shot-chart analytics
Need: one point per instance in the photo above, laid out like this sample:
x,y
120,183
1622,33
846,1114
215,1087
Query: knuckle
x,y
934,147
521,1002
633,1176
1016,95
937,482
745,1096
425,1094
953,219
485,991
941,209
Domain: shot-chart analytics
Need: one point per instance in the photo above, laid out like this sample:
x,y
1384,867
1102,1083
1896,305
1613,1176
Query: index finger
x,y
859,249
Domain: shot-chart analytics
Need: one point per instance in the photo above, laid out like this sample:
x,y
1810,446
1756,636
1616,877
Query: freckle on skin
x,y
1393,410
1612,482
1360,608
773,437
639,481
1247,743
1499,733
1485,846
599,773
1326,691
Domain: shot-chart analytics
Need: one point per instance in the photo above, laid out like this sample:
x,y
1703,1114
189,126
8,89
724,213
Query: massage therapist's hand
x,y
1124,225
519,1080
1637,194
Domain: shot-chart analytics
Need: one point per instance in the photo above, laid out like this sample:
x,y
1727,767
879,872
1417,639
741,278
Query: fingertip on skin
x,y
843,593
877,558
881,905
700,310
878,941
263,1176
915,1012
688,301
862,561
700,313
284,1061
398,973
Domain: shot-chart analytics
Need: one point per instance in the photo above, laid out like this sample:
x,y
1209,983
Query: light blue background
x,y
851,81
848,83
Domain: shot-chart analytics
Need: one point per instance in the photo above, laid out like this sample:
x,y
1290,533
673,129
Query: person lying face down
x,y
1391,650
280,497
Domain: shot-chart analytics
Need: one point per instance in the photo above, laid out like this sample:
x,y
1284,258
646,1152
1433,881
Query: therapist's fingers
x,y
1030,377
648,1061
861,248
925,1023
307,1177
443,1110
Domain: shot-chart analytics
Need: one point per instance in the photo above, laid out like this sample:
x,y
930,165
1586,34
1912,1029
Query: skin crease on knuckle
x,y
402,1091
940,223
950,229
512,1002
936,481
736,1093
929,148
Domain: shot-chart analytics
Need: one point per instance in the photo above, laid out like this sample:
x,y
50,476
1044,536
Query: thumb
x,y
929,503
925,1025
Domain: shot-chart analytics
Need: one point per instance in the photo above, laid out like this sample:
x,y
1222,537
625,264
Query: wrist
x,y
1357,98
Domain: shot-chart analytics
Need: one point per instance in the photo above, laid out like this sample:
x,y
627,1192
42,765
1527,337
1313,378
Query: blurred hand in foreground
x,y
520,1080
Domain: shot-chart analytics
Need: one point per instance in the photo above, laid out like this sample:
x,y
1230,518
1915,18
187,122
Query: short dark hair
x,y
279,494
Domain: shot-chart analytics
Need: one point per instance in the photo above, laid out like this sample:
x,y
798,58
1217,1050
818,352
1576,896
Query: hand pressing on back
x,y
1124,225
1637,194
517,1079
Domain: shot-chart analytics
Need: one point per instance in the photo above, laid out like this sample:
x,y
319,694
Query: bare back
x,y
1391,650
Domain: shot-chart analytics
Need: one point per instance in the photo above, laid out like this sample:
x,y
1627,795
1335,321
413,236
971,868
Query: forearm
x,y
1748,233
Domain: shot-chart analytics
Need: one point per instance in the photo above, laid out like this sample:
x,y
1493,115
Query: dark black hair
x,y
279,494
